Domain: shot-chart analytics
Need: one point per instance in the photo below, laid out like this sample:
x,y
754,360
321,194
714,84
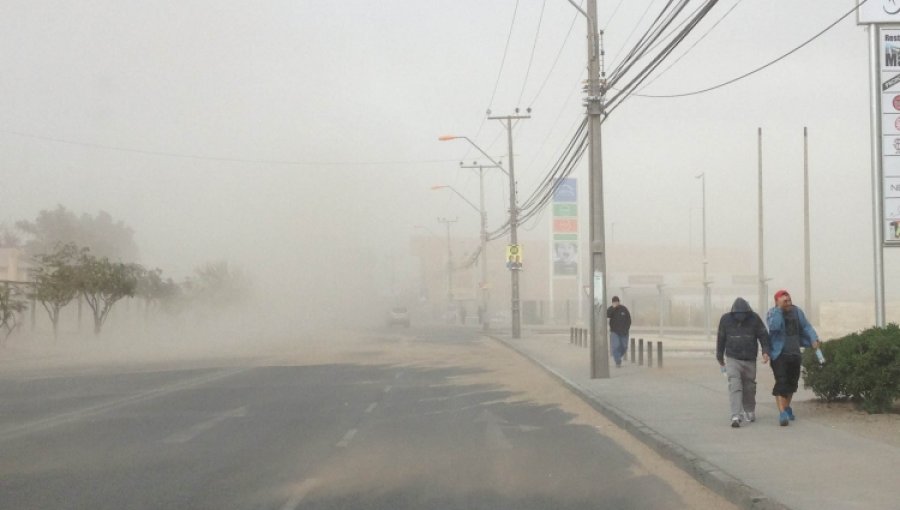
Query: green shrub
x,y
863,366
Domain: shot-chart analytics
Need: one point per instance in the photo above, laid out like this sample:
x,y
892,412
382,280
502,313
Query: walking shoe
x,y
790,412
749,416
735,422
783,418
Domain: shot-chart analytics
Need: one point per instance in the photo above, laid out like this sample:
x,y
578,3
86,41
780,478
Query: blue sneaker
x,y
783,418
790,412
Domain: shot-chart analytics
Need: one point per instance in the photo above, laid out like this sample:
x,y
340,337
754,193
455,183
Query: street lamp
x,y
513,225
483,235
706,300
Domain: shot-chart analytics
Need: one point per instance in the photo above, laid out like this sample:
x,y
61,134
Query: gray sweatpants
x,y
741,385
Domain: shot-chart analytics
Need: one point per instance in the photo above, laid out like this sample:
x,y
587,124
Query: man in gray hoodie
x,y
739,332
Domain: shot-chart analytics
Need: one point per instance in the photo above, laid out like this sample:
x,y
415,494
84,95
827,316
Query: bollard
x,y
579,335
640,351
584,333
649,354
632,349
659,354
571,334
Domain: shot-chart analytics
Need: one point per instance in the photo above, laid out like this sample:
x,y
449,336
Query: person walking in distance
x,y
789,331
619,324
741,335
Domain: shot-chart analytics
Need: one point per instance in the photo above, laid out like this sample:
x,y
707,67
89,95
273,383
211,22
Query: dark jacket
x,y
619,319
739,332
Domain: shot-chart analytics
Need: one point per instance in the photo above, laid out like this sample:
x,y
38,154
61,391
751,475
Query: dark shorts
x,y
787,374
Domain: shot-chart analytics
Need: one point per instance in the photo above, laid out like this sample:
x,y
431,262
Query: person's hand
x,y
765,358
721,363
816,344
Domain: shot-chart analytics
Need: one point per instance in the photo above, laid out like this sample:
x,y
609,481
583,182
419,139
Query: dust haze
x,y
297,141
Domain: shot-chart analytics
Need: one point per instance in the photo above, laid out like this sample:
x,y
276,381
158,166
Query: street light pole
x,y
706,300
513,220
760,239
485,291
447,223
807,277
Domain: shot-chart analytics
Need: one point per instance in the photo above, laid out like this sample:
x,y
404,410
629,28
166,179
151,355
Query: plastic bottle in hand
x,y
722,369
820,356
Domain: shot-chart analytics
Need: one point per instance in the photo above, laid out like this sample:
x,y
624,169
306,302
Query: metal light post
x,y
485,291
595,104
513,220
447,223
761,272
706,300
483,236
807,277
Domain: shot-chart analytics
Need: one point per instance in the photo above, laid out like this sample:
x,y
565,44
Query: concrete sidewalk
x,y
681,410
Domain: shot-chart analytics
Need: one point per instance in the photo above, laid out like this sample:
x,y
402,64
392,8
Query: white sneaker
x,y
749,416
735,422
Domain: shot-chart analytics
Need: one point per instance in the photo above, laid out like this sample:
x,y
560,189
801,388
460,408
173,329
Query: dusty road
x,y
390,419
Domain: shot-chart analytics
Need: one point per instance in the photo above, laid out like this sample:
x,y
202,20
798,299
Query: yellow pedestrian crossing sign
x,y
514,256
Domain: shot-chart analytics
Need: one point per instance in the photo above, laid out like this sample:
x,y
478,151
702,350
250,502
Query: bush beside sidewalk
x,y
682,412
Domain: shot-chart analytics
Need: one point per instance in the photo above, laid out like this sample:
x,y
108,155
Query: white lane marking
x,y
493,432
387,388
371,407
398,375
78,414
196,430
300,493
347,438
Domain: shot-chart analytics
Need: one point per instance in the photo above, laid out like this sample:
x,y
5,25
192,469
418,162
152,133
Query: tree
x,y
104,237
217,285
12,304
8,237
56,280
103,283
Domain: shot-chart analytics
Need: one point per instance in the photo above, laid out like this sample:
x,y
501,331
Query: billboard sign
x,y
889,88
564,229
878,11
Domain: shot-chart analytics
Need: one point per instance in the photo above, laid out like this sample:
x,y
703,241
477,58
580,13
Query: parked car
x,y
398,315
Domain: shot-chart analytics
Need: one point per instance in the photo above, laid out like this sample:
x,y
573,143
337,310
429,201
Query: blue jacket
x,y
775,321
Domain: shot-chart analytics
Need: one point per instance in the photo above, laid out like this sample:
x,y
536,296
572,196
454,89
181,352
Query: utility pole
x,y
706,299
594,102
807,280
447,223
513,217
760,239
485,291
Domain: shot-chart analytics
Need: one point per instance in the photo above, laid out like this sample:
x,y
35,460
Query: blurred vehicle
x,y
398,315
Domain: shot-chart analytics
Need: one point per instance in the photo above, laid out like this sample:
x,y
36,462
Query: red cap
x,y
780,293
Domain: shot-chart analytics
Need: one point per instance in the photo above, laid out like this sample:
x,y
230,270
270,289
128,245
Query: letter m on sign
x,y
891,55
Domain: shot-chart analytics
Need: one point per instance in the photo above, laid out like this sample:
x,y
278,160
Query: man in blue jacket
x,y
788,331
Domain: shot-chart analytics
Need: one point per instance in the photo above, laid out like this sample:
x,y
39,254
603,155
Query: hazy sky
x,y
315,123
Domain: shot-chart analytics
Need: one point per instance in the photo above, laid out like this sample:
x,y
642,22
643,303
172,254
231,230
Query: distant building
x,y
13,265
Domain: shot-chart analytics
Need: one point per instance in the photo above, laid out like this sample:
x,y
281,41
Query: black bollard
x,y
659,354
632,349
640,351
571,334
649,354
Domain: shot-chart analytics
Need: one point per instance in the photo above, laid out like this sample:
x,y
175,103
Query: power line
x,y
760,68
556,60
505,50
613,15
692,46
222,159
537,33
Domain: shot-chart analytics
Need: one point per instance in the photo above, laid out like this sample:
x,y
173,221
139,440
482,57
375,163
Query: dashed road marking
x,y
347,438
387,388
371,407
196,430
300,494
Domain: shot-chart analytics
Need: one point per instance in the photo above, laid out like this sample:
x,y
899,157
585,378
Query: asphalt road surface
x,y
437,418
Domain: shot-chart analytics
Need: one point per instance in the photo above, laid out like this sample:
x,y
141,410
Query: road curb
x,y
708,474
